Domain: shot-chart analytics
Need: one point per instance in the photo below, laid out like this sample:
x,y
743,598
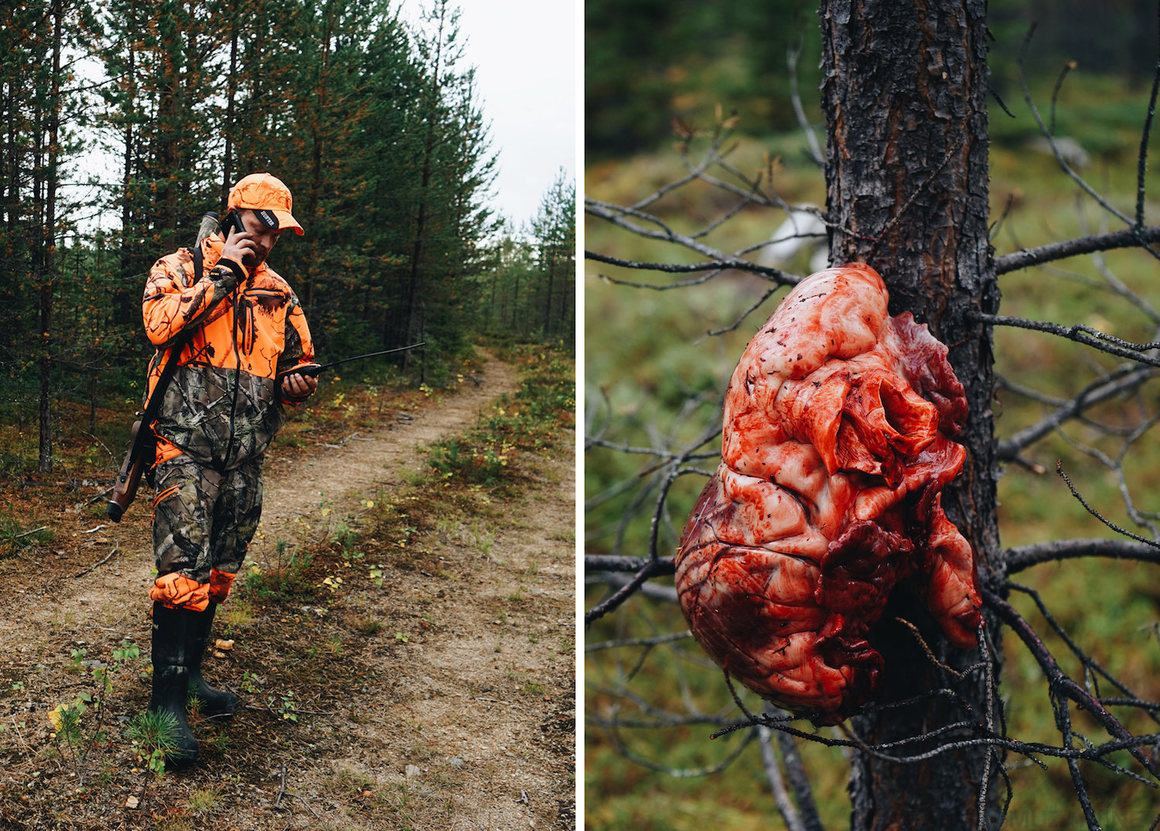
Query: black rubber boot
x,y
172,636
214,702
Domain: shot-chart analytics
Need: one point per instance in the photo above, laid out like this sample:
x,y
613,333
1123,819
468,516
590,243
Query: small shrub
x,y
153,734
472,462
78,725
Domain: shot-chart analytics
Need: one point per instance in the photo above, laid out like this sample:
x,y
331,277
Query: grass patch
x,y
366,626
289,577
528,420
235,615
16,536
203,801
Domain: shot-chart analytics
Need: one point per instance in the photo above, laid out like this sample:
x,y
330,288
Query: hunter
x,y
217,416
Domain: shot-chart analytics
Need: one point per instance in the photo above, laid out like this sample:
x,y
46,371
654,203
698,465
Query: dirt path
x,y
295,487
342,474
441,700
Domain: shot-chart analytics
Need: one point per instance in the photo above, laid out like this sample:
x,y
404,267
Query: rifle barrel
x,y
314,371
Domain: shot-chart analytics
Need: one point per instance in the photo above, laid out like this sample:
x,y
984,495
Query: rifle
x,y
141,443
142,447
314,370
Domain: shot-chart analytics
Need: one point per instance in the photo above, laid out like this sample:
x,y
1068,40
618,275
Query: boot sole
x,y
180,761
207,712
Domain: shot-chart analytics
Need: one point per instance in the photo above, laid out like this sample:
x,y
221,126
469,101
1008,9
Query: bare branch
x,y
1111,385
792,53
1080,334
591,442
1089,663
622,594
1067,480
781,798
1026,556
1114,283
667,268
1047,134
608,562
997,225
659,640
616,215
1094,753
679,773
694,172
799,781
1061,684
664,594
1068,66
1142,157
741,318
1130,238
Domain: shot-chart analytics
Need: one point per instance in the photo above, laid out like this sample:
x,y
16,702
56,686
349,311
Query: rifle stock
x,y
137,460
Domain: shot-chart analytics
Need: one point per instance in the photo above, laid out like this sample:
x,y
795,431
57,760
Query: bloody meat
x,y
836,446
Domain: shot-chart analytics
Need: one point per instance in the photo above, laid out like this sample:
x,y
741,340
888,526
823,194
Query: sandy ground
x,y
450,708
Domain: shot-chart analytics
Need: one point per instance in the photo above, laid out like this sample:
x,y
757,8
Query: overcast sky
x,y
524,54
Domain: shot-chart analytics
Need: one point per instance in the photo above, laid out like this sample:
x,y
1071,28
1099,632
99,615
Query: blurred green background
x,y
654,378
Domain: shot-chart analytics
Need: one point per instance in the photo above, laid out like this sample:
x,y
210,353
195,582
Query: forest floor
x,y
403,633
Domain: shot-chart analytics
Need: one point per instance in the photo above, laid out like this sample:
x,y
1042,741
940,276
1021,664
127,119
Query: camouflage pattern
x,y
218,415
204,519
201,415
223,405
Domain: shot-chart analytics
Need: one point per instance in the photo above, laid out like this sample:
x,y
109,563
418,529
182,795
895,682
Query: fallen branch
x,y
99,563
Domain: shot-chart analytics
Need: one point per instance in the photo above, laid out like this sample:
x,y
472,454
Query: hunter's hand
x,y
241,249
298,387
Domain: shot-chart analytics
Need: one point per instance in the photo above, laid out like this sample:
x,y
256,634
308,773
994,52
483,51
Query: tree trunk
x,y
547,328
230,126
47,277
123,305
414,282
904,93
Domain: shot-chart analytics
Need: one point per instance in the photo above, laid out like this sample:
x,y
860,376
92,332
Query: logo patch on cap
x,y
268,219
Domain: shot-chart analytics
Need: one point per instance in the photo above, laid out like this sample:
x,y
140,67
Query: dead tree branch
x,y
1025,556
1130,238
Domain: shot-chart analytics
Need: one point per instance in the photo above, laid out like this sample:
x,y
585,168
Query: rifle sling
x,y
169,369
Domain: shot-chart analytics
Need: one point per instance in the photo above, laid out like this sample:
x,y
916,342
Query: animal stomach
x,y
836,446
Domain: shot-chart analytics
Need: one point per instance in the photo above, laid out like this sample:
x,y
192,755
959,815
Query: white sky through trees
x,y
524,55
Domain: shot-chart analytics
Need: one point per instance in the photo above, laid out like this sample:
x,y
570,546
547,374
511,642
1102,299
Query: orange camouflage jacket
x,y
223,405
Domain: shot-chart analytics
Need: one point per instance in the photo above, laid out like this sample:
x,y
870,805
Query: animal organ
x,y
836,446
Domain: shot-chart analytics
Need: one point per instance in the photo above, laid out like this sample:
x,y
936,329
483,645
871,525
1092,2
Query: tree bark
x,y
123,305
904,93
414,282
48,275
230,126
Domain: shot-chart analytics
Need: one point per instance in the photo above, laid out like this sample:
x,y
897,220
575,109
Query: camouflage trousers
x,y
203,520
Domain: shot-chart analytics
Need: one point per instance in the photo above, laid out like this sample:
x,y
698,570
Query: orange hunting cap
x,y
267,196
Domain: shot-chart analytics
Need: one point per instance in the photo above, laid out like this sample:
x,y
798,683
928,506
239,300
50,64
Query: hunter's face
x,y
264,238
